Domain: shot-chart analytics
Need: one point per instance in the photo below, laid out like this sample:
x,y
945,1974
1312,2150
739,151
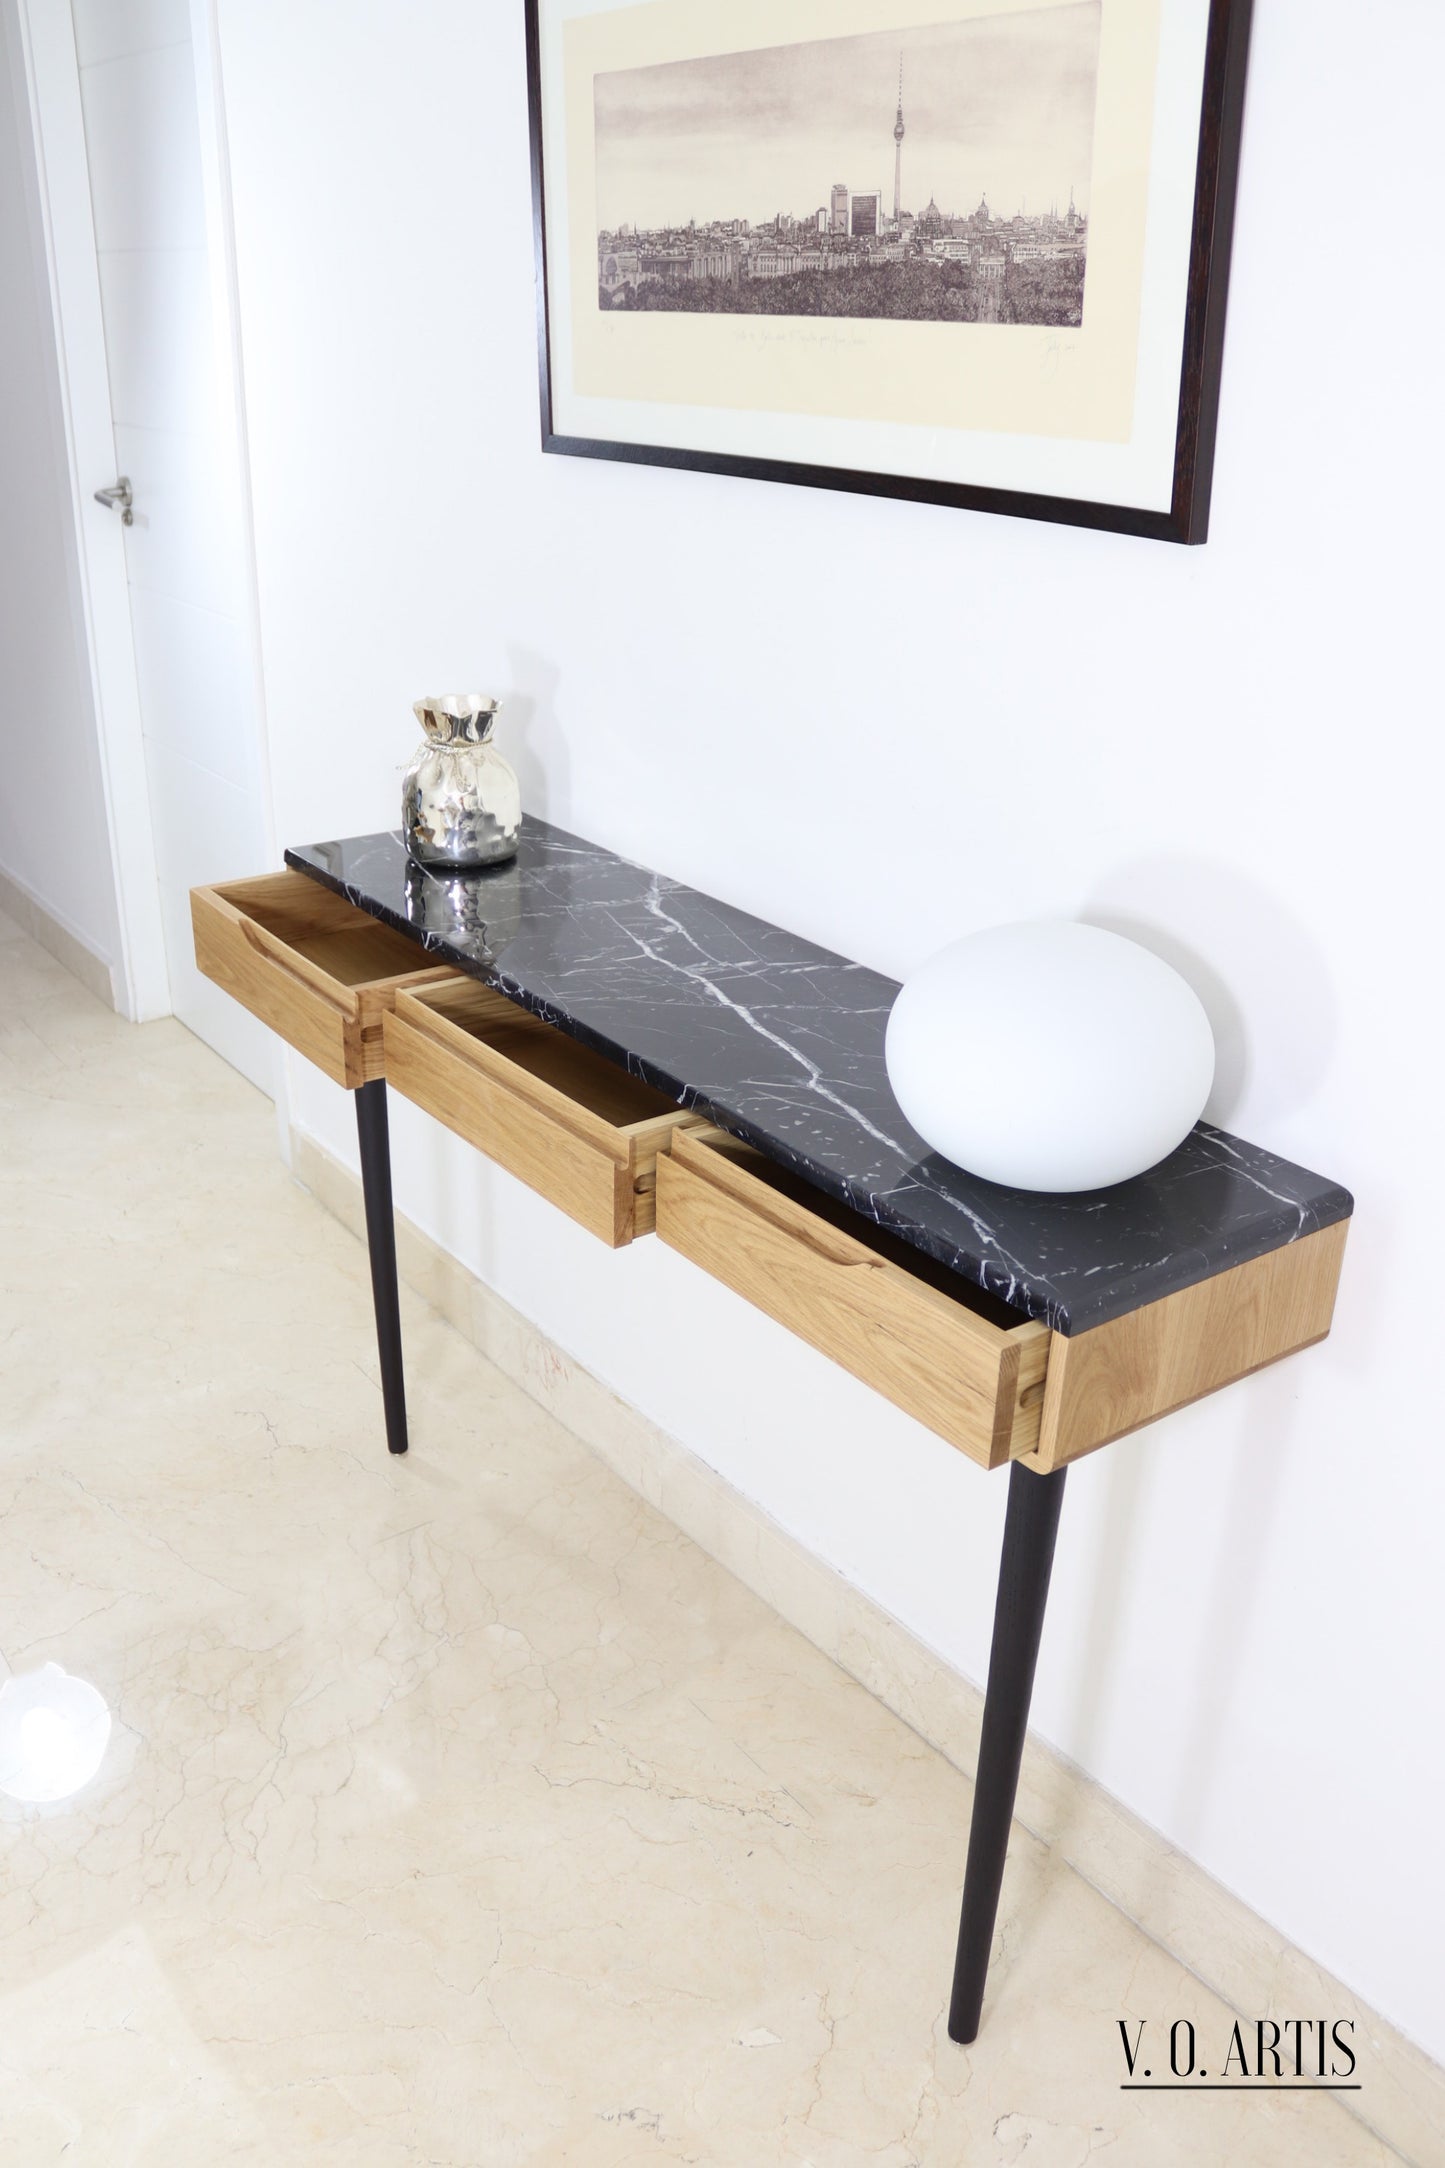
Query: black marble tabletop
x,y
781,1042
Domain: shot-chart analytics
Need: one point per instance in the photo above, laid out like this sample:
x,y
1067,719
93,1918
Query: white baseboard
x,y
66,947
1246,1962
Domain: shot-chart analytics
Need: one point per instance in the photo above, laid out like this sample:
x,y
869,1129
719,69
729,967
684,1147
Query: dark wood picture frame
x,y
1187,520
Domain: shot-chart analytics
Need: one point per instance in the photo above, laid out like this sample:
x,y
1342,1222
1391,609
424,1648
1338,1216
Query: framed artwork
x,y
971,252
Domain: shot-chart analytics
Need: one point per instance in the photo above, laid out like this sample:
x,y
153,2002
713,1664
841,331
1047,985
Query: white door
x,y
164,303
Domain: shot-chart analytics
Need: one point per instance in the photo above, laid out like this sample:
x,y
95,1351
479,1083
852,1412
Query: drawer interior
x,y
783,1182
347,943
548,1055
572,1125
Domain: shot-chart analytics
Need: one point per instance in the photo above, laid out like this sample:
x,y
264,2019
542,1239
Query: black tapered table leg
x,y
1018,1621
371,1129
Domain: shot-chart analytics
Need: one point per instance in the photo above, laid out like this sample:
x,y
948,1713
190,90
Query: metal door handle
x,y
119,496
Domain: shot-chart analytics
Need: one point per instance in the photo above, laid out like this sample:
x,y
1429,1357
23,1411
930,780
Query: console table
x,y
649,1058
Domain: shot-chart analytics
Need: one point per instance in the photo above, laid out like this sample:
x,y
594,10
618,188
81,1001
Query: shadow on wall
x,y
1249,1463
531,735
1266,1418
1270,997
1264,981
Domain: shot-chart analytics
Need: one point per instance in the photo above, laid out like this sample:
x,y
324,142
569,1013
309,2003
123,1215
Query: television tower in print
x,y
898,149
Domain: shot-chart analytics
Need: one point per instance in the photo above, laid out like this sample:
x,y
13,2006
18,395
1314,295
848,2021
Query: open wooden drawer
x,y
946,1352
311,965
574,1127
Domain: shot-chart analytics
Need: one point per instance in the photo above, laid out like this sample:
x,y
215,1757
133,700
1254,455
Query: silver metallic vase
x,y
460,804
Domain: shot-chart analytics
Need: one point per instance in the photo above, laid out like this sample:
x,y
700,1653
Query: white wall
x,y
1231,751
54,842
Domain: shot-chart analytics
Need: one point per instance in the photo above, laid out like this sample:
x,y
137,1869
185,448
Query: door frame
x,y
51,72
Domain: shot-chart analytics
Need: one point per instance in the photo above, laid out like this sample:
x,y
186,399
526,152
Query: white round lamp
x,y
1051,1056
54,1730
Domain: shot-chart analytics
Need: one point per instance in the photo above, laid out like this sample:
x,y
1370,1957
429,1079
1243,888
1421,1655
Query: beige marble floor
x,y
460,1812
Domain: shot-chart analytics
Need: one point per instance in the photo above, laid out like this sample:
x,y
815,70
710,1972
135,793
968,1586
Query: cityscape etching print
x,y
967,251
938,173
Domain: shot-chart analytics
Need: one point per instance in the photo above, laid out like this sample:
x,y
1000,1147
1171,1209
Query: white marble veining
x,y
461,1813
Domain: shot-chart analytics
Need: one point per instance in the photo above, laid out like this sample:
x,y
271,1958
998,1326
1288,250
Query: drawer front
x,y
462,1053
979,1385
320,972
